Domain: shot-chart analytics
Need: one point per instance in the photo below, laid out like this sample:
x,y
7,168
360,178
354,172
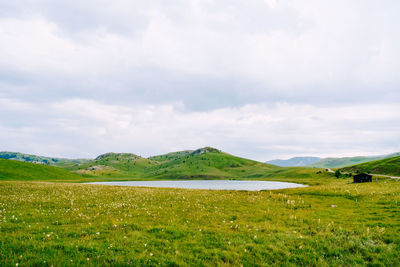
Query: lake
x,y
209,184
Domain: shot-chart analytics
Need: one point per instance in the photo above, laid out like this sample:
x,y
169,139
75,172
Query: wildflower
x,y
255,237
97,233
151,254
333,206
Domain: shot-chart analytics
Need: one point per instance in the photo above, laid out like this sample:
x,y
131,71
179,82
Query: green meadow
x,y
49,218
333,223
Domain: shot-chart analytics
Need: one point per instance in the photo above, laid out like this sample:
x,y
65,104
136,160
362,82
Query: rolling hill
x,y
23,171
388,166
342,162
39,159
114,165
209,163
203,163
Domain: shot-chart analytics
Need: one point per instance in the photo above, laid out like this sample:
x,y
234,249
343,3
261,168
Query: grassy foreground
x,y
48,224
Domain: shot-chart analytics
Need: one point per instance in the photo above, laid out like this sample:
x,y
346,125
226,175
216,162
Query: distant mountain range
x,y
294,162
327,162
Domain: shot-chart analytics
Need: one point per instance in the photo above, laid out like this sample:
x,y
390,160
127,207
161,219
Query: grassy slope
x,y
348,161
211,164
74,224
389,166
33,158
132,167
342,162
113,165
171,156
17,170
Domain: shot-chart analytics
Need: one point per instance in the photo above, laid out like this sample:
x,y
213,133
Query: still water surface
x,y
209,184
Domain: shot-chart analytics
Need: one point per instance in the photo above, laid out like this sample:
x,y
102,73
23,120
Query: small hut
x,y
362,178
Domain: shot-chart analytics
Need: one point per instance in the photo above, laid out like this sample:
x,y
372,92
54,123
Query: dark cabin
x,y
362,178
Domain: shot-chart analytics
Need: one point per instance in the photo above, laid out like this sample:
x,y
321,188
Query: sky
x,y
261,79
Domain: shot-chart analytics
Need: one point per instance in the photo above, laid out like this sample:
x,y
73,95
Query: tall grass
x,y
335,223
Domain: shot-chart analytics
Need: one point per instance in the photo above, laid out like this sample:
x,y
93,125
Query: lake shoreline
x,y
246,185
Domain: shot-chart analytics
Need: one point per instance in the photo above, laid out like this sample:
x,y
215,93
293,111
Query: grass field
x,y
334,223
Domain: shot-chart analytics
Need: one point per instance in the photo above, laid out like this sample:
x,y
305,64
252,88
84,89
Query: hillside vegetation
x,y
203,163
389,166
342,162
171,156
39,159
23,171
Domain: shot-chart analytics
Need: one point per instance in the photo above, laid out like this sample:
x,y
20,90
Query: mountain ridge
x,y
329,162
294,162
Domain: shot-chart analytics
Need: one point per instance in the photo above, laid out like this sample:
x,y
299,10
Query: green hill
x,y
18,170
342,162
114,165
388,166
209,163
39,159
203,163
348,161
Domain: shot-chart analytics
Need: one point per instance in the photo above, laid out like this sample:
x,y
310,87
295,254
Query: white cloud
x,y
256,78
255,131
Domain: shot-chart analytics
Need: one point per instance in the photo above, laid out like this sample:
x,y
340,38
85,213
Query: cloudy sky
x,y
261,79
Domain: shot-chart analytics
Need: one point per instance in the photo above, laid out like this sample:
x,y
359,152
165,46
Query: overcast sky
x,y
261,79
